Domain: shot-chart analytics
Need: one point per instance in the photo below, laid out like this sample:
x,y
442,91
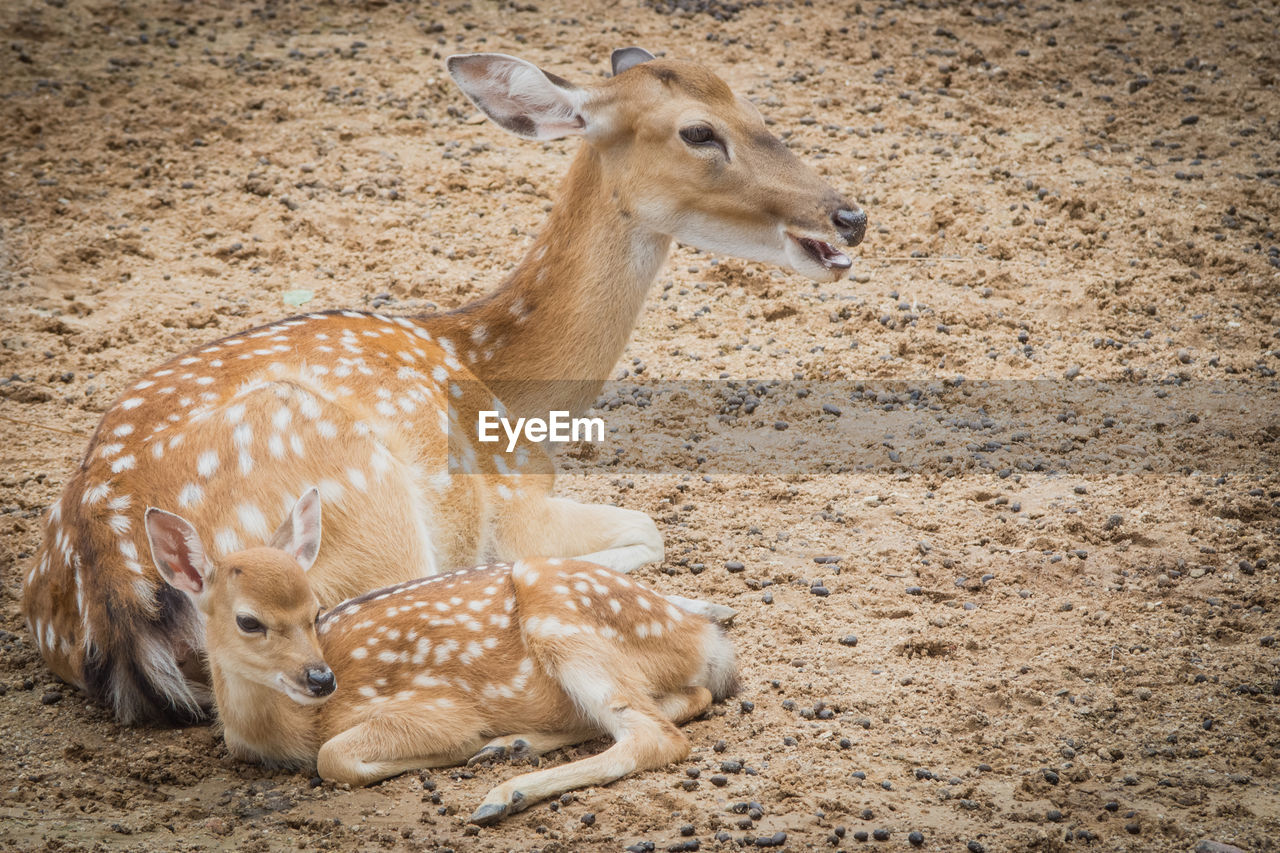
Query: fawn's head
x,y
687,157
260,612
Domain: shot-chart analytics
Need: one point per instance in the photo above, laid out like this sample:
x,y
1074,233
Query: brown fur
x,y
431,672
231,432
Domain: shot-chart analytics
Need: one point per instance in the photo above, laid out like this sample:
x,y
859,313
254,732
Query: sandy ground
x,y
1063,589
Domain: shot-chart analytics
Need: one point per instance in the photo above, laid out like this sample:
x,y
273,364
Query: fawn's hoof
x,y
488,755
517,752
721,614
489,813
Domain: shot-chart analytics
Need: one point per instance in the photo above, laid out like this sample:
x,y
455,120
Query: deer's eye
x,y
250,625
698,134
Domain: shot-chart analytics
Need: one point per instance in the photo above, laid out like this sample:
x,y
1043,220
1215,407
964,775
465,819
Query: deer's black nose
x,y
320,681
852,225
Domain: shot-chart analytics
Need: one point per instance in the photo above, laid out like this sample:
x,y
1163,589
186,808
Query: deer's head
x,y
685,156
260,613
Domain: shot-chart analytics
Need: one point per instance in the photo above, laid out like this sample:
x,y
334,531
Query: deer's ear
x,y
519,96
177,551
299,535
628,57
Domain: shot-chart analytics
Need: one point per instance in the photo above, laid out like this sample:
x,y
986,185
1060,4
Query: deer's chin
x,y
302,697
816,259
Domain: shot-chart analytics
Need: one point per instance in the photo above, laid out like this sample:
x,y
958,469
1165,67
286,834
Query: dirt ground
x,y
1065,626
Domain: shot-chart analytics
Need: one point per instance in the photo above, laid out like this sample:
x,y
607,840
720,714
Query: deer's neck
x,y
552,332
262,724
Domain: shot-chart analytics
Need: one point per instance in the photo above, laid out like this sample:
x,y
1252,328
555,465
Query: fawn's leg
x,y
377,750
525,747
643,740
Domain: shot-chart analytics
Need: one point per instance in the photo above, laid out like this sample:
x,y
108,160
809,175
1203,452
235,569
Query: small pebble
x,y
849,640
588,819
916,838
975,847
734,566
880,834
747,706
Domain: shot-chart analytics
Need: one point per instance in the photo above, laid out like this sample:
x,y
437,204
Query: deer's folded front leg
x,y
384,747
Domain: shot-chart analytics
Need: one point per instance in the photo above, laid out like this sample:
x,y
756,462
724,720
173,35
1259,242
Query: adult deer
x,y
232,432
481,662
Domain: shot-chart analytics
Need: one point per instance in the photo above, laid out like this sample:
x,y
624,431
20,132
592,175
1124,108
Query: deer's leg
x,y
683,705
643,739
610,536
530,746
377,750
621,539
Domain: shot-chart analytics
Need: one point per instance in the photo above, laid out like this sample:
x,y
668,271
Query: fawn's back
x,y
495,643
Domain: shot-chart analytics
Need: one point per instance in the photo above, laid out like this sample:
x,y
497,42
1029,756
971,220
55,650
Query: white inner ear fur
x,y
519,97
555,111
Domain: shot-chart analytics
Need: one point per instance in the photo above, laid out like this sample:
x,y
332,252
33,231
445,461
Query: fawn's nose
x,y
851,224
320,681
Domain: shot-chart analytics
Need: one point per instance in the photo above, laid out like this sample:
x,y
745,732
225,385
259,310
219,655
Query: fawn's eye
x,y
698,134
250,625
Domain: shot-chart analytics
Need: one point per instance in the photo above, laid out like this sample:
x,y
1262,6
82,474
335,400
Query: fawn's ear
x,y
628,57
299,536
519,96
177,551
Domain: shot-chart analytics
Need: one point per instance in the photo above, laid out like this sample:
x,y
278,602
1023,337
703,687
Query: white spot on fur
x,y
227,541
253,522
207,463
190,495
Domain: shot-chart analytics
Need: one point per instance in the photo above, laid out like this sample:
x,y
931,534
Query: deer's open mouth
x,y
824,253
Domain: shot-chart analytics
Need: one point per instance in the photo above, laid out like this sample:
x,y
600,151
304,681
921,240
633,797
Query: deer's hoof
x,y
489,813
488,755
721,614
